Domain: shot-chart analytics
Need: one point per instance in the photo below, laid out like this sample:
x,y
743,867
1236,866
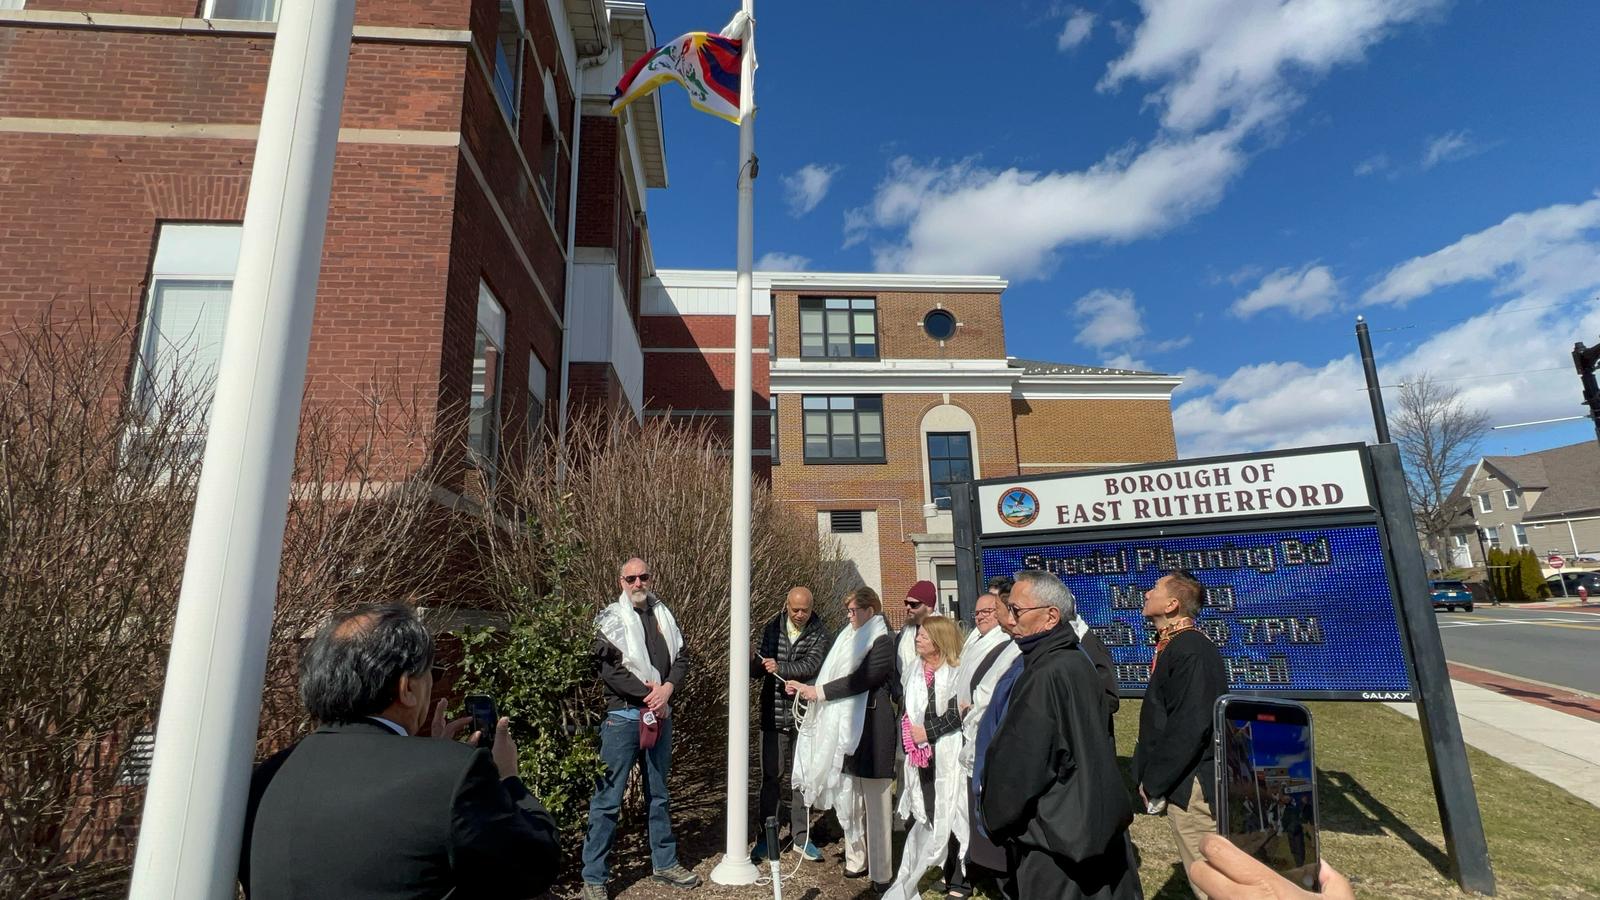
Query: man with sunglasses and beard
x,y
920,601
642,661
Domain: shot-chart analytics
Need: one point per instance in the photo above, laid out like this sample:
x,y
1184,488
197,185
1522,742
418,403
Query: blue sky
x,y
1211,187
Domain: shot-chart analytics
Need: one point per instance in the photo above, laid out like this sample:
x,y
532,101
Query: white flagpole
x,y
194,806
735,867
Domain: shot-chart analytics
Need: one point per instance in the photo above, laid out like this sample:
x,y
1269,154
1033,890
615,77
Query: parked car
x,y
1589,581
1451,594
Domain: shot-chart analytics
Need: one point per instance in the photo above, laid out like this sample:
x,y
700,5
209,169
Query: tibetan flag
x,y
707,65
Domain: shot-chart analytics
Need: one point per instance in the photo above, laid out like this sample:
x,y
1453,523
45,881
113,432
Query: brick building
x,y
876,390
464,263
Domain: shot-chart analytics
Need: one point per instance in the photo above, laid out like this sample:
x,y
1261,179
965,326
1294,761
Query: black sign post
x,y
1315,582
1436,702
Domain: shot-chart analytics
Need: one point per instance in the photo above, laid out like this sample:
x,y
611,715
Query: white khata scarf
x,y
832,731
621,625
980,693
927,839
906,649
972,656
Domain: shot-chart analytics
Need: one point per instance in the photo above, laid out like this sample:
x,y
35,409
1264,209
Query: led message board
x,y
1304,612
1299,594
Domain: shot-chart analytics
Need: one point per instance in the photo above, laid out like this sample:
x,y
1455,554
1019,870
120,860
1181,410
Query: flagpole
x,y
735,867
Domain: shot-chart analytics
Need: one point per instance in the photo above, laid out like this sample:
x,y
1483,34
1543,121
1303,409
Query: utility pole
x,y
1585,359
1380,421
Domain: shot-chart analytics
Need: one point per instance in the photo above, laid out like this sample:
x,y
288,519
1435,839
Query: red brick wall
x,y
1093,432
400,13
597,182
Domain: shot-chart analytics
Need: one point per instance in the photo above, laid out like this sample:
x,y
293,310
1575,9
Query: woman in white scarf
x,y
844,757
932,783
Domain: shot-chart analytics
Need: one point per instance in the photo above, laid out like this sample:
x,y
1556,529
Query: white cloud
x,y
1195,380
1546,249
1242,56
1171,344
964,218
776,261
1449,147
1238,56
1077,29
1511,361
1376,164
1108,318
805,188
1306,293
1125,361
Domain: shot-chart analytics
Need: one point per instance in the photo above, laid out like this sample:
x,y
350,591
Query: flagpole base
x,y
735,870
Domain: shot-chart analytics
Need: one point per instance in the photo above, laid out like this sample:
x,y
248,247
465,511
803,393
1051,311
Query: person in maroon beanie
x,y
920,602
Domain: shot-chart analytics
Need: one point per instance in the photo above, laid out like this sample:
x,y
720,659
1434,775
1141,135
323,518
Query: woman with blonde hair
x,y
844,756
933,785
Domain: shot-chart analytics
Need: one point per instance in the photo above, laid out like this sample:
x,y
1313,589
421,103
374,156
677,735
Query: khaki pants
x,y
1189,826
874,852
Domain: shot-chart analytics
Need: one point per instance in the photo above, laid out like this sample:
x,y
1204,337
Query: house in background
x,y
873,392
1548,501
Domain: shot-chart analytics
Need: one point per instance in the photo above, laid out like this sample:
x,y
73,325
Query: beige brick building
x,y
879,389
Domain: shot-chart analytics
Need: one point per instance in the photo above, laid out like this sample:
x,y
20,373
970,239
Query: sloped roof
x,y
1570,476
1041,367
1526,472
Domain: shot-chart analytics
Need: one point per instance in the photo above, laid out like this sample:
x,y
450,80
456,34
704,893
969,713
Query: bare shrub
x,y
660,491
95,500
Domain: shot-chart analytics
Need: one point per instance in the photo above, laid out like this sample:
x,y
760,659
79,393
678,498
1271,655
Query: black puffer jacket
x,y
800,660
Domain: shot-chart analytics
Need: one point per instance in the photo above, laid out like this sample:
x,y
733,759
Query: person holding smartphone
x,y
1174,761
363,808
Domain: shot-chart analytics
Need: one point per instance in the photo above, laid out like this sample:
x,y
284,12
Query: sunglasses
x,y
643,578
914,604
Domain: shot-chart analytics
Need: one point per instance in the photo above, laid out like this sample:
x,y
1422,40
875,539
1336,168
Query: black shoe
x,y
678,877
881,887
850,874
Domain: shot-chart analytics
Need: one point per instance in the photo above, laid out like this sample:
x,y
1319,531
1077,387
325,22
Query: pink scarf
x,y
918,754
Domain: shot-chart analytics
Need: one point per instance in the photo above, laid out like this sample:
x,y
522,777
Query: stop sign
x,y
1555,562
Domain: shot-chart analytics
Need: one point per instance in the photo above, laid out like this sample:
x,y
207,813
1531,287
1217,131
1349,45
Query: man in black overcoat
x,y
1052,793
361,809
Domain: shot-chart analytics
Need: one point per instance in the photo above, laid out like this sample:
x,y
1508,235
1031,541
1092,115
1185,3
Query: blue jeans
x,y
619,750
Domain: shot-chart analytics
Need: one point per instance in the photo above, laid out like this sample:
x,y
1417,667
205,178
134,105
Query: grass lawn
x,y
1380,825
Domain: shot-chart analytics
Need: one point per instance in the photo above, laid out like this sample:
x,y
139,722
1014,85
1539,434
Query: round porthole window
x,y
940,324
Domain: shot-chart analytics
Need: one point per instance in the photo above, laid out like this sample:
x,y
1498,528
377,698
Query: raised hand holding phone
x,y
1266,784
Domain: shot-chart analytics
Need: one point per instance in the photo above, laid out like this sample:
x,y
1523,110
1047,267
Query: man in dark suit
x,y
362,809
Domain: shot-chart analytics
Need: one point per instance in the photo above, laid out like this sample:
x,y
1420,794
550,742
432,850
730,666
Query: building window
x,y
949,460
549,145
12,4
135,766
1511,499
1521,535
843,429
186,314
1485,504
1492,535
772,427
839,328
536,400
247,10
844,521
1460,541
483,423
508,59
940,324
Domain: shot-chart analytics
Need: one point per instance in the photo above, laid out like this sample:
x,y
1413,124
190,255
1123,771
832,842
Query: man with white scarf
x,y
642,661
988,653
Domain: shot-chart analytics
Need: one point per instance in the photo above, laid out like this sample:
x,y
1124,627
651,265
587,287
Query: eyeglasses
x,y
1019,610
642,578
982,612
852,610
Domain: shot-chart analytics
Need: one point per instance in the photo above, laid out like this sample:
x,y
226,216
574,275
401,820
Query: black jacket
x,y
358,811
623,688
1175,720
1107,670
874,756
1052,788
800,660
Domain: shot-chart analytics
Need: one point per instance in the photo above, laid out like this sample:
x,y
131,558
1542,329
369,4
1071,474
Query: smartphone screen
x,y
481,709
1267,784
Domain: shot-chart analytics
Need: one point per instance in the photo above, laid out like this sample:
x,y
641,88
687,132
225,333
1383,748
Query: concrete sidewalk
x,y
1562,749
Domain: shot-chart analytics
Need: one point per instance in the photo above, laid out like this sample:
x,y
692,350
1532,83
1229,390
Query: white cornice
x,y
965,376
1097,387
837,281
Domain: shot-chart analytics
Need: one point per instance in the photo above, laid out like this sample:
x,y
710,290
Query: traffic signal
x,y
1586,358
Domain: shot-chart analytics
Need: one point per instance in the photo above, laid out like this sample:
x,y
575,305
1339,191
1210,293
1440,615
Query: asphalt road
x,y
1554,646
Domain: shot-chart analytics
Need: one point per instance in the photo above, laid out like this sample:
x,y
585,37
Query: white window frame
x,y
1520,535
514,114
1485,504
13,4
538,391
1510,497
491,322
1491,534
211,12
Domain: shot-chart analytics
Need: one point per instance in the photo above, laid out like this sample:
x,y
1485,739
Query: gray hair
x,y
1047,590
353,666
